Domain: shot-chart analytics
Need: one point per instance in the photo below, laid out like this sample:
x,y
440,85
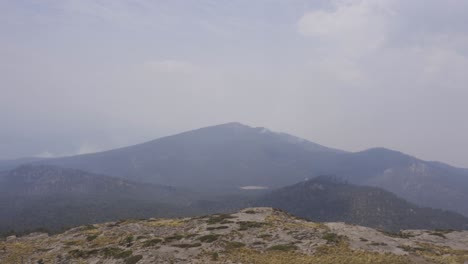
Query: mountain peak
x,y
234,125
231,126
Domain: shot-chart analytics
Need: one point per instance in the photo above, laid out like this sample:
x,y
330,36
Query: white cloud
x,y
142,69
352,26
362,42
392,63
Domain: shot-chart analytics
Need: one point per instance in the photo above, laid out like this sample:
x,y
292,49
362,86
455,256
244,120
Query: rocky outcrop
x,y
253,235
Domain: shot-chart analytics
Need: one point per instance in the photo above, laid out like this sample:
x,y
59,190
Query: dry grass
x,y
439,254
324,255
164,223
220,219
104,240
17,252
71,243
283,222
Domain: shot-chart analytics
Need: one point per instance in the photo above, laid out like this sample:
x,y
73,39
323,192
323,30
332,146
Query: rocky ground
x,y
253,235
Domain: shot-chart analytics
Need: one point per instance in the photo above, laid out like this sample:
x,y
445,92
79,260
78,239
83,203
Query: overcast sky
x,y
78,76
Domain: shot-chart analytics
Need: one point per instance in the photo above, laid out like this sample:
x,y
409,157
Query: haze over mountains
x,y
227,167
53,198
219,158
226,157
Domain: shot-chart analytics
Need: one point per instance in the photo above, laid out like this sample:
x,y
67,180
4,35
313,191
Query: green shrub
x,y
117,253
91,237
173,238
215,219
283,247
264,236
397,235
233,245
72,243
410,248
152,242
187,245
89,227
133,259
244,225
110,252
78,253
377,244
128,239
332,238
216,227
209,238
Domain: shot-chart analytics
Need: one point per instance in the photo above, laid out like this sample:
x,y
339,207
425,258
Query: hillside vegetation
x,y
253,235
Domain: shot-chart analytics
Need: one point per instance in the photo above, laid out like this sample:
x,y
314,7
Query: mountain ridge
x,y
53,198
328,198
224,158
44,196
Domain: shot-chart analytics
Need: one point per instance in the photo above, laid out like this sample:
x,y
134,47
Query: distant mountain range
x,y
55,198
237,161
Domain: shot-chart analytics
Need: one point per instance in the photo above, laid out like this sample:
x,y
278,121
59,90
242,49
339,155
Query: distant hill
x,y
224,158
55,198
331,200
6,165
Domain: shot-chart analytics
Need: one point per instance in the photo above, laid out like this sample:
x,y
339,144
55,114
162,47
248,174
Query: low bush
x,y
283,247
209,238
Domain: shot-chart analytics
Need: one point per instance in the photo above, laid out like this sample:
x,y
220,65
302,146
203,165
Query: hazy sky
x,y
78,76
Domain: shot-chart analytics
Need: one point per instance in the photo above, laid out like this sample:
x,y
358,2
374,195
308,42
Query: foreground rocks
x,y
253,235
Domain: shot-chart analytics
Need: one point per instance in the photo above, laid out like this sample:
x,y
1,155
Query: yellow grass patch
x,y
324,255
17,252
164,222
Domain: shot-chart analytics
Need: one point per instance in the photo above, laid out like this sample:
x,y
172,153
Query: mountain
x,y
252,235
55,198
213,159
13,163
226,158
431,184
329,199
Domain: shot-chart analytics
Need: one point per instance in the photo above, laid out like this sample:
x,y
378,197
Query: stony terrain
x,y
253,235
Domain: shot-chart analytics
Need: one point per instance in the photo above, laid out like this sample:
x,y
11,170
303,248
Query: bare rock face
x,y
253,235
